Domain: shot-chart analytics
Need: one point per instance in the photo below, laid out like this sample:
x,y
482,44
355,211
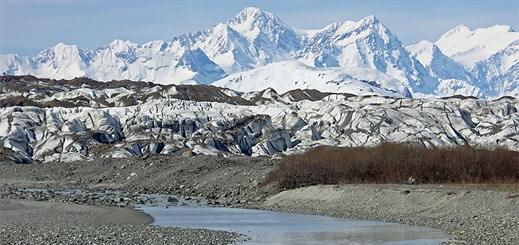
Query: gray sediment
x,y
469,214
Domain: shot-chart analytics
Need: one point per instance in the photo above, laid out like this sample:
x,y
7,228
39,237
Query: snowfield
x,y
287,75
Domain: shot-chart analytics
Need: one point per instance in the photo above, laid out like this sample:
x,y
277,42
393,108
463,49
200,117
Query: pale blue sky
x,y
28,27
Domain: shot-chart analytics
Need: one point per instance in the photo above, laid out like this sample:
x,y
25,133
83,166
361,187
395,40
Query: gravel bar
x,y
471,216
22,223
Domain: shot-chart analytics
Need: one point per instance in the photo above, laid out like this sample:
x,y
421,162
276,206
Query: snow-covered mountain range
x,y
256,49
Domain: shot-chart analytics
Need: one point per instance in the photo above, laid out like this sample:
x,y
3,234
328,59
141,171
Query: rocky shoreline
x,y
471,215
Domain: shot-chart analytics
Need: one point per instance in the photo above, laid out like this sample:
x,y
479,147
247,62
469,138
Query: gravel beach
x,y
29,222
471,214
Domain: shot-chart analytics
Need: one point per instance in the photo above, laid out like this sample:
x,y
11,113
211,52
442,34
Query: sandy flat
x,y
113,215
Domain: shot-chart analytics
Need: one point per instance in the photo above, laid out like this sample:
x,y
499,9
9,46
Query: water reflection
x,y
266,227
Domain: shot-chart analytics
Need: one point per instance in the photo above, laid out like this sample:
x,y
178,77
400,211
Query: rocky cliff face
x,y
49,120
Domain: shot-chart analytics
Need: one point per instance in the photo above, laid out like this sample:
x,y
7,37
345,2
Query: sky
x,y
30,26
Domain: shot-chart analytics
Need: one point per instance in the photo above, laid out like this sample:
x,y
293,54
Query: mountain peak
x,y
116,42
371,19
477,44
426,45
250,18
119,45
119,42
463,30
251,11
253,23
424,51
250,14
61,46
370,22
501,28
458,29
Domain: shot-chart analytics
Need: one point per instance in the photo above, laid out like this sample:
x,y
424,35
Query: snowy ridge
x,y
481,63
500,72
452,76
468,47
118,61
289,75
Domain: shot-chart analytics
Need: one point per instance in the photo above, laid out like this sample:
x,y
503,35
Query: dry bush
x,y
395,163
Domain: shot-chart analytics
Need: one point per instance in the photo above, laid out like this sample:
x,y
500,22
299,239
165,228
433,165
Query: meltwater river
x,y
273,228
267,227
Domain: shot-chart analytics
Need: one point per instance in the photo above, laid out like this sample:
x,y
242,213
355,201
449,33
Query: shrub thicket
x,y
395,163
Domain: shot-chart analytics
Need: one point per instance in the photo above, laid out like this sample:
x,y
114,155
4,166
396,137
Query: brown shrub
x,y
395,163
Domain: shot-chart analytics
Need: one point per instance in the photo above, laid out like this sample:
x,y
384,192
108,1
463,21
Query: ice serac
x,y
47,120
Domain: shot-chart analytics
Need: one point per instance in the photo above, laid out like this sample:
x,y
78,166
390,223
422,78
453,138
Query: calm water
x,y
266,227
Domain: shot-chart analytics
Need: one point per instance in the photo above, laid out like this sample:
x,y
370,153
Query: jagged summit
x,y
371,19
119,42
60,48
120,46
424,51
252,23
475,61
342,27
251,18
251,14
451,75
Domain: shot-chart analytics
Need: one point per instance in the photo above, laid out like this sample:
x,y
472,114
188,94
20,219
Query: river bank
x,y
474,216
470,214
38,222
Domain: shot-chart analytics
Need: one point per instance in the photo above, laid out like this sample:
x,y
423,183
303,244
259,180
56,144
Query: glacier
x,y
44,120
